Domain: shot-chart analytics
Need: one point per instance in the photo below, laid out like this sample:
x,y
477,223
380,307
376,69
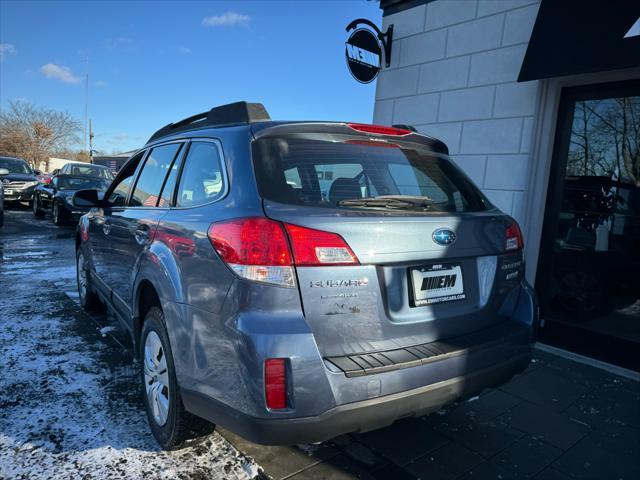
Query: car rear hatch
x,y
427,246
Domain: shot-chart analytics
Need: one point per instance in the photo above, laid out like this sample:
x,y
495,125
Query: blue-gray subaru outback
x,y
293,281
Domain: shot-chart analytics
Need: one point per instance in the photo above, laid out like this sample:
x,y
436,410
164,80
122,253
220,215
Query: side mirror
x,y
4,171
88,198
56,171
37,172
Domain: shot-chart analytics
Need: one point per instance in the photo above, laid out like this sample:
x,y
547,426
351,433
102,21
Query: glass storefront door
x,y
589,265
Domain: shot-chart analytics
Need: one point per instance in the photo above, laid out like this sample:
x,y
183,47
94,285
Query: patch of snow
x,y
104,330
70,406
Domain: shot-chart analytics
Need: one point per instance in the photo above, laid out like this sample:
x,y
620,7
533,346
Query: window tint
x,y
201,179
327,172
154,171
412,181
118,195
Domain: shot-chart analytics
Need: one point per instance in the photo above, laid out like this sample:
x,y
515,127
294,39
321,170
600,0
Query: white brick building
x,y
454,75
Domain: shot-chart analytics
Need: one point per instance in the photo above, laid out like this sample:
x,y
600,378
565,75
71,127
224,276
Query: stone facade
x,y
453,76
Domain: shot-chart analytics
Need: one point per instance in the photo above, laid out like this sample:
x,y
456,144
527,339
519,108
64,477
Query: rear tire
x,y
37,211
88,298
171,425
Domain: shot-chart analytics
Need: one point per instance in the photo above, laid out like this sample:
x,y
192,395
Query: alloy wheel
x,y
156,378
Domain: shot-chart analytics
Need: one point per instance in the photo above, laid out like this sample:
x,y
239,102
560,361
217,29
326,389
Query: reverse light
x,y
254,248
379,129
275,383
514,240
315,247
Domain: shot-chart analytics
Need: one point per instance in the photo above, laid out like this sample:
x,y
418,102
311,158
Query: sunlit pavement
x,y
69,404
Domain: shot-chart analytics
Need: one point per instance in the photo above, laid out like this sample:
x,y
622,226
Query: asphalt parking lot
x,y
69,404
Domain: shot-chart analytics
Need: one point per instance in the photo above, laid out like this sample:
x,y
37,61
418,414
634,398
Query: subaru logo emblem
x,y
444,236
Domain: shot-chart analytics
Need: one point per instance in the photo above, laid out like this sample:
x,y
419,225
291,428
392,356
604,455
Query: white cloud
x,y
183,50
228,19
100,83
7,49
124,43
58,72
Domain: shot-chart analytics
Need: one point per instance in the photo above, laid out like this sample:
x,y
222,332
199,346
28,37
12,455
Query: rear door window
x,y
201,180
158,164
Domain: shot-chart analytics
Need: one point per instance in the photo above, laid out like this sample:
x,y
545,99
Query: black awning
x,y
581,36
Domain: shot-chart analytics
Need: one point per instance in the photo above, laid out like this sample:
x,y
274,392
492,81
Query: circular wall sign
x,y
363,53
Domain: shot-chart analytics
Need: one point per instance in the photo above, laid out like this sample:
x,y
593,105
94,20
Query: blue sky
x,y
151,63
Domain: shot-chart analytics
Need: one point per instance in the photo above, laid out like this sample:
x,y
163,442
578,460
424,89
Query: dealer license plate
x,y
437,284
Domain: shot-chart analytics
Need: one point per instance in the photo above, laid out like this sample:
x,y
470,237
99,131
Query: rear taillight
x,y
379,129
315,247
514,240
275,383
255,249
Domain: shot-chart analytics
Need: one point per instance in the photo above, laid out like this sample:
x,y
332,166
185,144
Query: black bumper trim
x,y
361,364
353,417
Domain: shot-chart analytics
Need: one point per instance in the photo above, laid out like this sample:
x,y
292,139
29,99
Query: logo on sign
x,y
444,236
363,52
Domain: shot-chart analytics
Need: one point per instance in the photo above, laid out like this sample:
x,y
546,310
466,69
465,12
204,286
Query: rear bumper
x,y
358,416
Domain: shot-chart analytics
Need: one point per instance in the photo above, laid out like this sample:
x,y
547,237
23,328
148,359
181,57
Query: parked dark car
x,y
19,182
57,197
288,316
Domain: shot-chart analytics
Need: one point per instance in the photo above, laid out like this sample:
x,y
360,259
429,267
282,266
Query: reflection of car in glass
x,y
57,196
19,182
3,171
288,315
598,231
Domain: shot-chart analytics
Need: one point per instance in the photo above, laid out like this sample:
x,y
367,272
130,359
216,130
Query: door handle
x,y
142,234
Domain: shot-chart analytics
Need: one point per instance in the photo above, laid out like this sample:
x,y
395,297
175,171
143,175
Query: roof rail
x,y
237,113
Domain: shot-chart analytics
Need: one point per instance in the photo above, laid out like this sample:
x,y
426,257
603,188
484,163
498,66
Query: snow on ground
x,y
69,397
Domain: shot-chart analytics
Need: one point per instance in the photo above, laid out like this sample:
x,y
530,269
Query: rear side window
x,y
352,172
154,171
201,180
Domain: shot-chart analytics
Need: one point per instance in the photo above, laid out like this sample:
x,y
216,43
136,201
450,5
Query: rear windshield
x,y
80,183
360,174
91,170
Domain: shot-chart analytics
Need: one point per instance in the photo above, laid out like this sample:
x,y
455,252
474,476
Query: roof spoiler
x,y
238,113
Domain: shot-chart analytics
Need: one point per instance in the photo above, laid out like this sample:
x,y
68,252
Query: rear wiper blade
x,y
387,201
416,200
373,202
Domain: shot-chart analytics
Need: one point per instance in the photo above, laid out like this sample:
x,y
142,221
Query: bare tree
x,y
33,133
